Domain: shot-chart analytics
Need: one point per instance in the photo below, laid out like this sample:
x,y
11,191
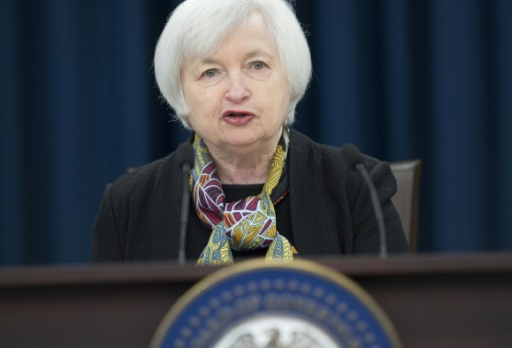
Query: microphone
x,y
354,160
185,157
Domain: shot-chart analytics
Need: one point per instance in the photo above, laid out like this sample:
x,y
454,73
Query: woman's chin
x,y
245,139
242,142
239,142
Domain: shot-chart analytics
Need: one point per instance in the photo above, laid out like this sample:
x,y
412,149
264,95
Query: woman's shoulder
x,y
323,154
315,160
144,178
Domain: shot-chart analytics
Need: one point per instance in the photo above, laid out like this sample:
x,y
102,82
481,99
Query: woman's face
x,y
238,97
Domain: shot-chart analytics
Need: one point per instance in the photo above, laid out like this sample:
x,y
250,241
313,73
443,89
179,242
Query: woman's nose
x,y
237,90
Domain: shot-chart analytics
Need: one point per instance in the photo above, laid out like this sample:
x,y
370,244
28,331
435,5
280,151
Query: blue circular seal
x,y
257,304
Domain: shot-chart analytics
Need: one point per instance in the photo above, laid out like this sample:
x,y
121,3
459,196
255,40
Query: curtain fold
x,y
429,79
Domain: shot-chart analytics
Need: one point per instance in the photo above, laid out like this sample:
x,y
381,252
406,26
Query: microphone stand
x,y
185,200
376,207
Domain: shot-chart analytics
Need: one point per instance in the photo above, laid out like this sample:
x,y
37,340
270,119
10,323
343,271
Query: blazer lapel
x,y
166,211
313,222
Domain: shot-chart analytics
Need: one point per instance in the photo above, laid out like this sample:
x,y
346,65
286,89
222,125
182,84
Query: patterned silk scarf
x,y
247,224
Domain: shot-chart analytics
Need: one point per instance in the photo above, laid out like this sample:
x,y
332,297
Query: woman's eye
x,y
210,73
258,65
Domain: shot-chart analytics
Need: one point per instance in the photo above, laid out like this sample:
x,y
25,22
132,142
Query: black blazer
x,y
331,211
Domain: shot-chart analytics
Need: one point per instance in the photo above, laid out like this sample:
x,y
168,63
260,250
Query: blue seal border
x,y
302,289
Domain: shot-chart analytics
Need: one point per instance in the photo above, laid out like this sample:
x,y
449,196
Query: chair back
x,y
406,198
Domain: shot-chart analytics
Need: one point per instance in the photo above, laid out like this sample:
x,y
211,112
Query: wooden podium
x,y
432,300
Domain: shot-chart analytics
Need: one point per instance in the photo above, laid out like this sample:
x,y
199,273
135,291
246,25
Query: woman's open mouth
x,y
237,117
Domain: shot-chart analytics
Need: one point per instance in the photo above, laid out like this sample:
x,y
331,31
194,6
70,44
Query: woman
x,y
234,71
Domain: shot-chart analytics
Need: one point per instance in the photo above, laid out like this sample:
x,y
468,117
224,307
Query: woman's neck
x,y
244,165
243,170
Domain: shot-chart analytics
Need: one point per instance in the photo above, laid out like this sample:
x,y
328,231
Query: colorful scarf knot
x,y
243,225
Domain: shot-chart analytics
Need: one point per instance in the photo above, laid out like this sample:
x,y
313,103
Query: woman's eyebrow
x,y
251,54
210,60
257,52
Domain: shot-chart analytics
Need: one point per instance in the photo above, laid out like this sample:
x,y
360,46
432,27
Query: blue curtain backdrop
x,y
400,78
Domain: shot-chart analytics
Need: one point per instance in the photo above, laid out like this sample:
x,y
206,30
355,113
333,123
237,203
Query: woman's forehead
x,y
203,45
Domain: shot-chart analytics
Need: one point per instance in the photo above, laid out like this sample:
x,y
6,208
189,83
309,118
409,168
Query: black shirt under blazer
x,y
331,211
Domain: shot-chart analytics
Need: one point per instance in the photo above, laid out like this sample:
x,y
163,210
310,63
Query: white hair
x,y
196,28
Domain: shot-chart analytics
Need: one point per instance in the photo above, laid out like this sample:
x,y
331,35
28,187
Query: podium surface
x,y
432,300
